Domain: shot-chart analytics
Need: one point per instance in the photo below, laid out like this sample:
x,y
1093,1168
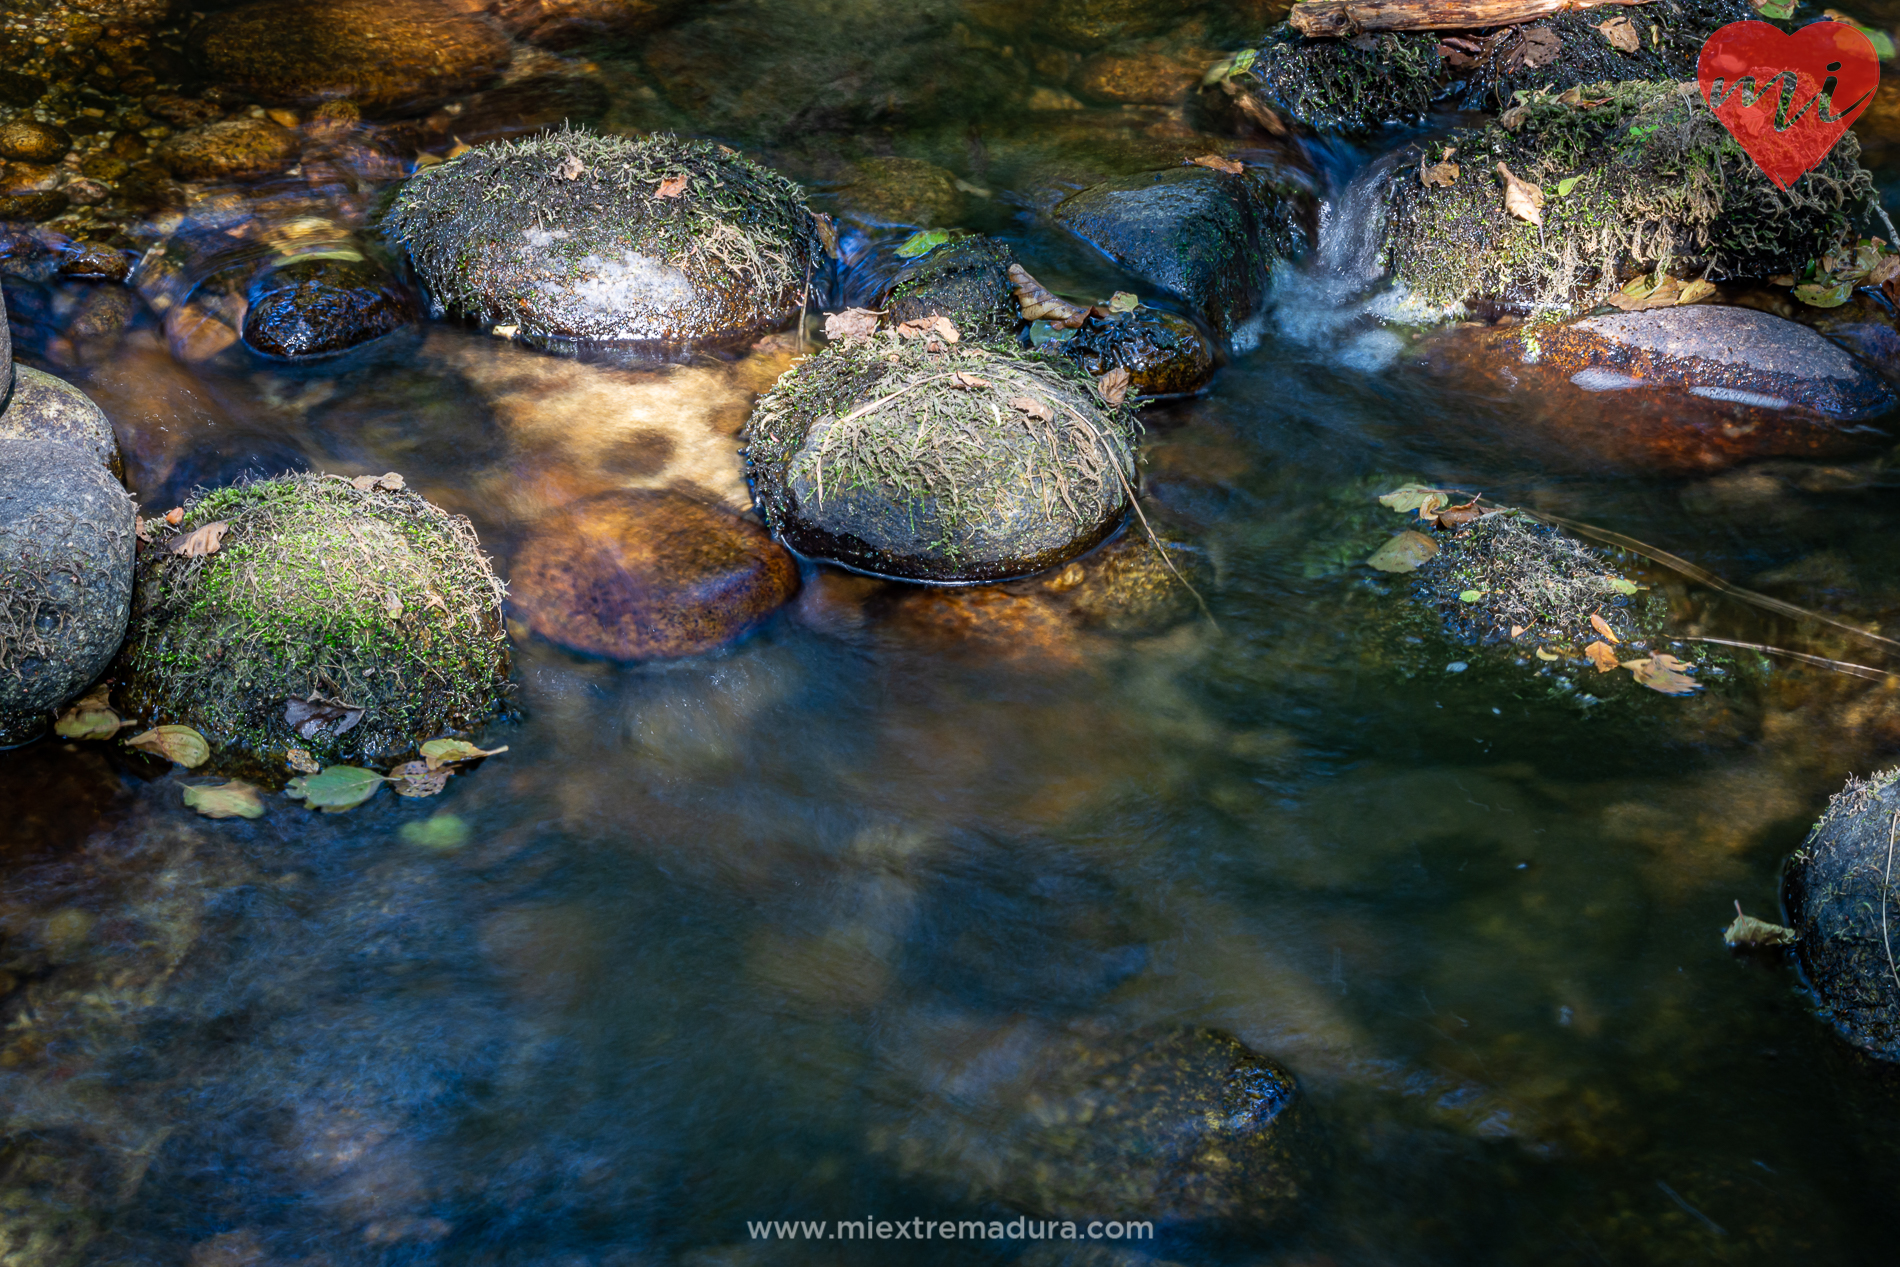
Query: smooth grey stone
x,y
48,408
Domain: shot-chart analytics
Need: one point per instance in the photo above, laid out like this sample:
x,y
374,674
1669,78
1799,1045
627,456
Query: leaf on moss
x,y
1426,501
1621,33
1621,586
231,799
1034,408
174,743
1404,552
852,323
338,788
441,752
1438,175
921,243
1521,198
968,382
571,168
672,187
1114,385
389,481
203,541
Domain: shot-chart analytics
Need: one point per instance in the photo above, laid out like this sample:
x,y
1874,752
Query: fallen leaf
x,y
852,323
441,752
1438,175
1599,654
1456,516
175,516
390,481
1220,163
1662,673
142,528
1622,35
231,799
1602,626
439,831
1547,655
827,233
1817,295
570,169
313,717
1749,933
1425,501
301,761
1884,270
1535,46
90,718
460,147
174,743
1781,279
1567,184
1404,552
1695,292
1038,303
1113,385
203,541
1127,301
916,329
1514,118
1516,630
671,187
1621,586
968,382
392,604
922,242
946,328
416,779
1471,596
1228,67
1034,408
338,788
1522,199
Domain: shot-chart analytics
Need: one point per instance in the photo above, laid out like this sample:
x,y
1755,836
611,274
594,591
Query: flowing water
x,y
713,933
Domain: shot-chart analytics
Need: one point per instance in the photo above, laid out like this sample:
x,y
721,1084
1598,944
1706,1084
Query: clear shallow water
x,y
714,933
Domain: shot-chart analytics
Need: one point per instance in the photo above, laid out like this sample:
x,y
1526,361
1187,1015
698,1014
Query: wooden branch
x,y
1318,19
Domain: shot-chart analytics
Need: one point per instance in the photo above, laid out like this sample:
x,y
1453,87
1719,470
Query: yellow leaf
x,y
205,540
232,799
1599,654
1602,626
441,752
1662,673
1404,552
1695,292
175,743
1547,655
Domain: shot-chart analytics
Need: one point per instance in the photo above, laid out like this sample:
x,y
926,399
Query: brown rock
x,y
28,141
182,112
1141,78
375,52
233,149
563,23
101,165
28,178
902,191
40,206
641,574
94,260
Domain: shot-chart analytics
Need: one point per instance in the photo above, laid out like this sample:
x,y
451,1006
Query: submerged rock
x,y
372,610
966,279
231,150
639,574
376,53
1164,353
1642,177
323,304
956,465
1842,904
1717,353
564,23
573,236
901,191
30,141
1207,236
1175,1125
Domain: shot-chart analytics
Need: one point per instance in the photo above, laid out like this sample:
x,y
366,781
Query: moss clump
x,y
575,236
1348,85
966,279
894,459
1644,179
365,599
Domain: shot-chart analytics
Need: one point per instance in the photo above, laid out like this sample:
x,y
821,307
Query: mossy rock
x,y
1844,907
876,455
361,599
1374,80
573,236
1644,179
1164,353
967,280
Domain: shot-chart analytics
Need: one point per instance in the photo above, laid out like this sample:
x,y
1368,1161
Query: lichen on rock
x,y
357,600
1636,177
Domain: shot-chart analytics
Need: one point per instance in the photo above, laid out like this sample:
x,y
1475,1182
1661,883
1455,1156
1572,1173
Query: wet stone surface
x,y
319,307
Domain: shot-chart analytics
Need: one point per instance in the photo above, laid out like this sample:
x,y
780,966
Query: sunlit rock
x,y
231,150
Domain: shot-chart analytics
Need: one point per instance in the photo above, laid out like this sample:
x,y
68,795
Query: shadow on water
x,y
731,939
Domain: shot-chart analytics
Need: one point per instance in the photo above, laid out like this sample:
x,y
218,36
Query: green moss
x,y
1348,86
374,599
1656,183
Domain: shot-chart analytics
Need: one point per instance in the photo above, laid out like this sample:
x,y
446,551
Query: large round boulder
x,y
575,236
350,618
1844,907
1207,236
926,460
376,53
46,408
643,574
1632,177
66,544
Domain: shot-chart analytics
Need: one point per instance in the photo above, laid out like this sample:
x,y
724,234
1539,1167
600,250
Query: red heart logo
x,y
1774,91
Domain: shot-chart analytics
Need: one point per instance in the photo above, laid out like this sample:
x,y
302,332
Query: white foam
x,y
1602,380
1736,396
1373,351
621,285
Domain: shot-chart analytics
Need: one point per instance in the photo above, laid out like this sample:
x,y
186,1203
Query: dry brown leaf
x,y
1535,46
852,323
570,169
1514,118
1114,385
1621,33
1516,630
671,187
1599,654
141,528
1438,175
1034,408
827,232
946,328
369,483
175,516
1458,516
1602,626
1884,270
313,717
204,541
968,382
917,329
1220,163
1662,673
1037,303
1521,198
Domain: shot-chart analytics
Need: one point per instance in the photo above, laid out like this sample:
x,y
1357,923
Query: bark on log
x,y
1318,19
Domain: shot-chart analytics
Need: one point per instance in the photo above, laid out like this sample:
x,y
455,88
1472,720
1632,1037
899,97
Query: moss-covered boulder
x,y
1371,80
965,279
1207,236
1844,906
935,461
1635,178
352,619
1164,353
574,236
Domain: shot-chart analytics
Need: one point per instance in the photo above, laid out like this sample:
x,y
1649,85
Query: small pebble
x,y
1456,666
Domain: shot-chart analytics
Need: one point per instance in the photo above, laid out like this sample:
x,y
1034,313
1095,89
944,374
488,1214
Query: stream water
x,y
713,933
